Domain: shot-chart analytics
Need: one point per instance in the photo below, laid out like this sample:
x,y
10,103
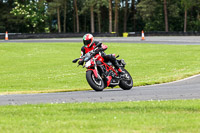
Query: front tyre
x,y
126,84
97,84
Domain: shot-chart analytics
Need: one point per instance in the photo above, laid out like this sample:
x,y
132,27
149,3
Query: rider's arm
x,y
82,54
101,48
104,47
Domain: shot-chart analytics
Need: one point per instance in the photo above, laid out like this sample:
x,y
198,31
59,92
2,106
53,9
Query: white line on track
x,y
172,82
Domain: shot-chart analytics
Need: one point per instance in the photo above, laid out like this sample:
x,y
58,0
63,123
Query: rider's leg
x,y
113,59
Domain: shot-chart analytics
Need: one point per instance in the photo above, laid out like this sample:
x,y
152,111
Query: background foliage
x,y
60,15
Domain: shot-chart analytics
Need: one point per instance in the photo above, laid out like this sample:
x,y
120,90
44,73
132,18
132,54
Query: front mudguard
x,y
94,71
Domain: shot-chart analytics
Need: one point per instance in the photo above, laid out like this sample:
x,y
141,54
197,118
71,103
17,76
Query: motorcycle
x,y
101,74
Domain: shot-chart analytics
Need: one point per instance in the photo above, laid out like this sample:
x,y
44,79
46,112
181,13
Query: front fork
x,y
109,78
95,71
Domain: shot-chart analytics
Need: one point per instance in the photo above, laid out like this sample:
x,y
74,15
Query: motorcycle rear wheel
x,y
126,84
95,83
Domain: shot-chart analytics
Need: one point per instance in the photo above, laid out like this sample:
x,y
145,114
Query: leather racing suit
x,y
110,57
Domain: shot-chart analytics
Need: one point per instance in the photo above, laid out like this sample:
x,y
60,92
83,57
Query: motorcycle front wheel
x,y
97,84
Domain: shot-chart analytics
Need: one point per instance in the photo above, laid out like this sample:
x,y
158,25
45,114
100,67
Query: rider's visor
x,y
86,42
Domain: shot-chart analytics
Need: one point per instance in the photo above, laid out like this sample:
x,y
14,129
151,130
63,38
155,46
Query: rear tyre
x,y
128,83
95,83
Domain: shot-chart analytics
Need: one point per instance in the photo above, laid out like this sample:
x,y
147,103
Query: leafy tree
x,y
166,16
94,7
54,8
93,16
110,16
65,15
116,15
99,4
134,14
89,5
77,17
34,14
194,21
175,15
8,21
125,15
151,12
187,4
60,8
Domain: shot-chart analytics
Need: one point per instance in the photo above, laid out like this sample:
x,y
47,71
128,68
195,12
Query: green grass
x,y
47,67
179,116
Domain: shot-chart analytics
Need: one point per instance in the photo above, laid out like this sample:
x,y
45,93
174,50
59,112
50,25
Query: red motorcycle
x,y
102,74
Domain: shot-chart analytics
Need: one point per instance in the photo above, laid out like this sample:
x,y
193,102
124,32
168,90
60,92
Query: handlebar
x,y
92,54
75,60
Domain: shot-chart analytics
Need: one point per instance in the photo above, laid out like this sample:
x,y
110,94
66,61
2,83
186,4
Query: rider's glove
x,y
81,62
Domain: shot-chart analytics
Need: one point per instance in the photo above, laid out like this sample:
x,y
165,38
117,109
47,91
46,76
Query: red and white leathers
x,y
110,57
85,50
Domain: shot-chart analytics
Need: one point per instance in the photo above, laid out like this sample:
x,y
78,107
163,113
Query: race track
x,y
173,40
184,89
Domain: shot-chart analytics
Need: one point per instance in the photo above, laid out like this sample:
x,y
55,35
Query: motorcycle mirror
x,y
117,56
75,60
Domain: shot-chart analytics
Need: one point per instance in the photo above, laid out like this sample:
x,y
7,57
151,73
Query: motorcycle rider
x,y
89,44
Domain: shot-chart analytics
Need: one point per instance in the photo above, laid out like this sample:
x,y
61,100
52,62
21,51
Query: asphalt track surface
x,y
173,40
184,89
188,88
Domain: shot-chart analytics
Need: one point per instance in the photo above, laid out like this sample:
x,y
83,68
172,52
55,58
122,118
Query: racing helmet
x,y
88,40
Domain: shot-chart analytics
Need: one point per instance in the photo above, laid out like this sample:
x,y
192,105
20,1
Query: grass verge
x,y
144,116
47,67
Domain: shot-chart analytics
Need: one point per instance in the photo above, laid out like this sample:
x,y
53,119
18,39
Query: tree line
x,y
51,16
